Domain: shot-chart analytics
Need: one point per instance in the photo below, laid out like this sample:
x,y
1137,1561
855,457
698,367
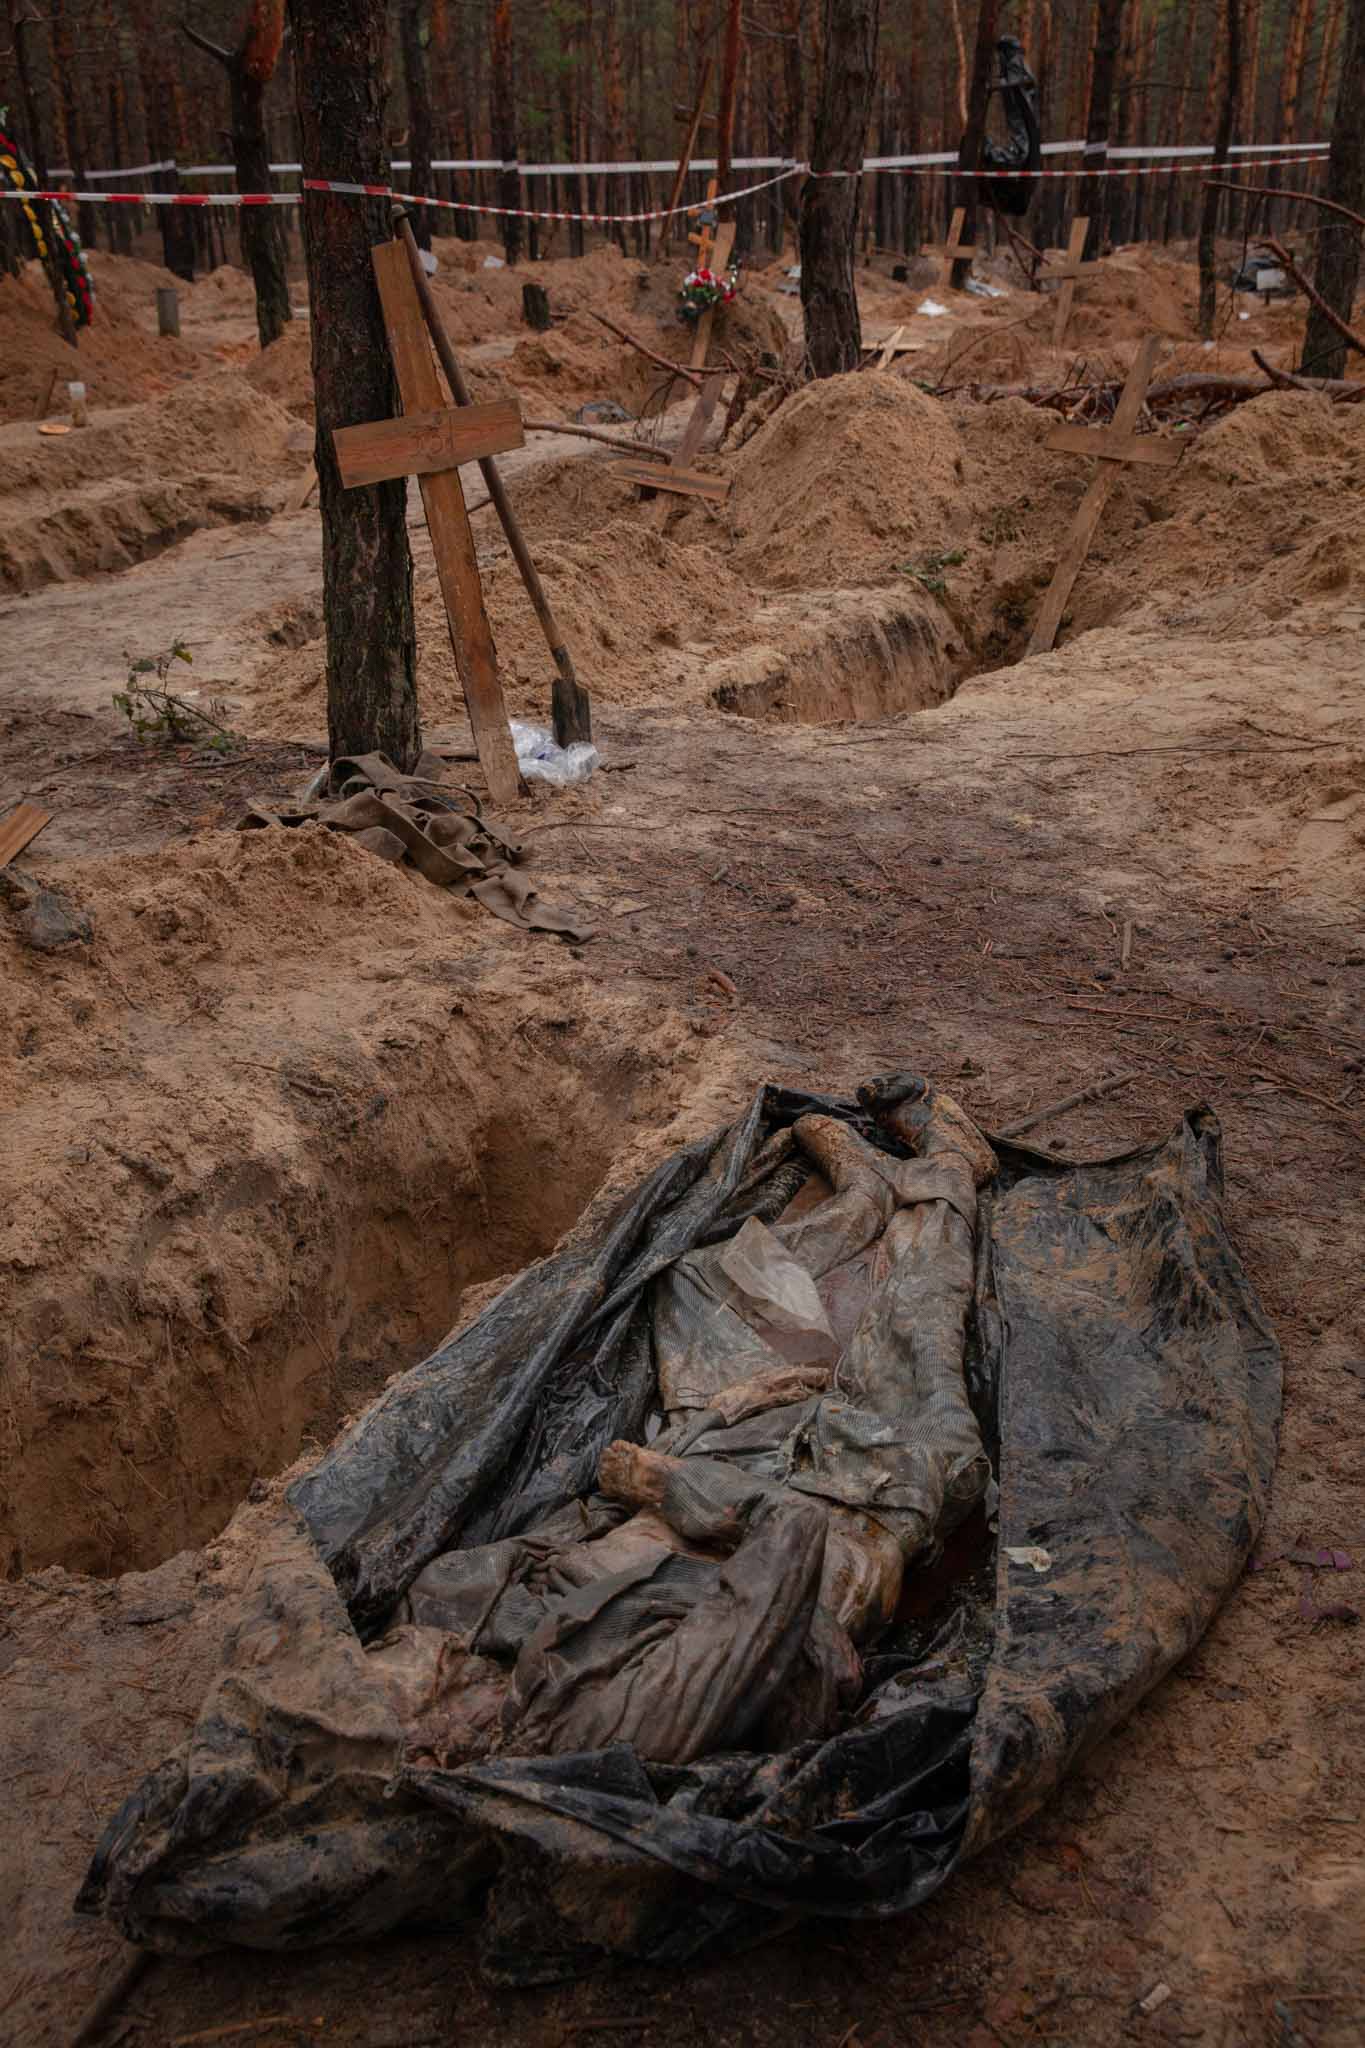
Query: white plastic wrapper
x,y
540,760
931,307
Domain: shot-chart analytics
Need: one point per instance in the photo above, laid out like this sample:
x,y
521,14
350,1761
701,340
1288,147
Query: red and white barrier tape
x,y
1113,151
337,185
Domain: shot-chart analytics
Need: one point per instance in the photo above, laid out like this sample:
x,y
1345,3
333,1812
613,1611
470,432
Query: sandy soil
x,y
834,790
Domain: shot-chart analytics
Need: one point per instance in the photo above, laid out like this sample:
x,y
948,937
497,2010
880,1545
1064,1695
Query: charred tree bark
x,y
1337,270
1108,40
829,205
969,154
503,106
249,69
366,565
415,22
1222,142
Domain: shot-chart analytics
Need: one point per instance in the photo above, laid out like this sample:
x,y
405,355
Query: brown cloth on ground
x,y
435,825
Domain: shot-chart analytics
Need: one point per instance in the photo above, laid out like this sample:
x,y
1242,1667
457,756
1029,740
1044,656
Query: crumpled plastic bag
x,y
540,760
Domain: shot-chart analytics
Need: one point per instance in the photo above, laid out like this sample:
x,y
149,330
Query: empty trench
x,y
314,1280
871,660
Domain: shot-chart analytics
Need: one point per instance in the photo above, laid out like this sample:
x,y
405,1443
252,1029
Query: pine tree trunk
x,y
366,566
1331,31
1336,272
263,244
160,107
503,110
1174,120
1291,80
415,22
829,206
1108,34
67,81
969,154
1208,219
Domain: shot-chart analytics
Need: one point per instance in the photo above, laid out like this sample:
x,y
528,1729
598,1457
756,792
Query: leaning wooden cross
x,y
1116,446
673,475
1066,273
954,249
430,441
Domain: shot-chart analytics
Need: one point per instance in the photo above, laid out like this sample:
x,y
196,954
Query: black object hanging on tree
x,y
1023,151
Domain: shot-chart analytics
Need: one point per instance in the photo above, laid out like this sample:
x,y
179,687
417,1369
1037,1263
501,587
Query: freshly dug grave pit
x,y
270,1135
874,657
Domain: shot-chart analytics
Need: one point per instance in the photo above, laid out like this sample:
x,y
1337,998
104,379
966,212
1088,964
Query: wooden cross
x,y
429,442
1116,446
954,249
713,253
1067,272
895,344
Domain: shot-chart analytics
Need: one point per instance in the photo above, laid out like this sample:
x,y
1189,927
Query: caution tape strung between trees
x,y
343,187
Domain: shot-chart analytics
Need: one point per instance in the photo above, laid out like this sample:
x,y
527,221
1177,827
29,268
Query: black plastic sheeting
x,y
1023,150
1127,1388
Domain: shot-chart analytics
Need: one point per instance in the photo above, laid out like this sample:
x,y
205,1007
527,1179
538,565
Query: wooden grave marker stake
x,y
430,441
1068,271
712,253
1116,446
954,248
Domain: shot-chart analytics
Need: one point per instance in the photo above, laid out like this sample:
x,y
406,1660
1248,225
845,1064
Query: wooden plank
x,y
452,542
1071,438
666,476
23,823
1074,249
423,443
1092,504
693,434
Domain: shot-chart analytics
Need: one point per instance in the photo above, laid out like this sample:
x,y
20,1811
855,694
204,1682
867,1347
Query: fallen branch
x,y
627,441
1269,192
651,355
1210,385
1042,1116
1312,294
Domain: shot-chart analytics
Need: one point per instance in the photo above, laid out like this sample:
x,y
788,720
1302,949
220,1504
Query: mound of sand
x,y
216,425
103,498
116,359
848,479
285,370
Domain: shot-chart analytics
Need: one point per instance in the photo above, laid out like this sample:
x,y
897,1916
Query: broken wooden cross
x,y
954,249
1116,446
429,442
1066,274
